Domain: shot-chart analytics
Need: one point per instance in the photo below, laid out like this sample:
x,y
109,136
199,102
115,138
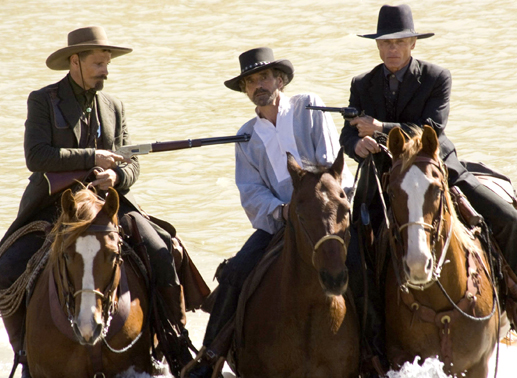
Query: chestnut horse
x,y
296,322
87,314
440,298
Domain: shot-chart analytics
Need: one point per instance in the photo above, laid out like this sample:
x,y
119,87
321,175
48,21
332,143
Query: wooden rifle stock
x,y
59,181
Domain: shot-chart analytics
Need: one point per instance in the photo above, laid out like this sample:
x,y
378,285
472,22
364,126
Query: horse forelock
x,y
69,227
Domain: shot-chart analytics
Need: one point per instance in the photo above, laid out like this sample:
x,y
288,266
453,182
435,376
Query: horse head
x,y
320,215
86,249
417,191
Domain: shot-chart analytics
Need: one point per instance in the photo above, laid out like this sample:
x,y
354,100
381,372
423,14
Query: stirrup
x,y
207,355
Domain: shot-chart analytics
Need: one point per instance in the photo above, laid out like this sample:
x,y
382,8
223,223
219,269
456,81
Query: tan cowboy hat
x,y
84,39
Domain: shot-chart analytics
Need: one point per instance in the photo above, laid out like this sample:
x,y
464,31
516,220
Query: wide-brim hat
x,y
396,22
256,60
84,39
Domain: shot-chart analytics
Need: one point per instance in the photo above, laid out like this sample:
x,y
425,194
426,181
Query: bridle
x,y
435,230
321,240
108,300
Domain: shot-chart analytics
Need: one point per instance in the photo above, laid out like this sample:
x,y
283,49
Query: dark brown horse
x,y
87,314
297,323
440,299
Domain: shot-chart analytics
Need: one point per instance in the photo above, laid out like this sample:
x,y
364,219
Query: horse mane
x,y
411,150
68,227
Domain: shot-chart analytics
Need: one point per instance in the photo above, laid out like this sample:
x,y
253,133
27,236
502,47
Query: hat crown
x,y
255,58
393,19
89,35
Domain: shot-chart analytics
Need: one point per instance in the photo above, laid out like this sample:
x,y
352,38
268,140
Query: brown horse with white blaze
x,y
87,313
297,323
440,297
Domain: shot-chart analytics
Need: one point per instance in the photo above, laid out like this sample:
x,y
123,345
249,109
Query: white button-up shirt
x,y
261,164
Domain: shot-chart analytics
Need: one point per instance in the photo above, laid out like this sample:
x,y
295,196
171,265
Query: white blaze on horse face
x,y
415,184
88,247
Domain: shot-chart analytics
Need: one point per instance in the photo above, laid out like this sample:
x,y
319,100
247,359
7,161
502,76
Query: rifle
x,y
59,181
348,113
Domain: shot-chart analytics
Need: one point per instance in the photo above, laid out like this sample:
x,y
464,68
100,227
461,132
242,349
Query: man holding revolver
x,y
406,92
72,126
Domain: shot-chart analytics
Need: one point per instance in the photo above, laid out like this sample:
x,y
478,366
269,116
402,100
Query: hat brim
x,y
397,35
282,64
59,59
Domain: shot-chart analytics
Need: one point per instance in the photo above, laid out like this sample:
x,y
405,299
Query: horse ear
x,y
430,143
112,203
68,203
338,165
294,169
396,142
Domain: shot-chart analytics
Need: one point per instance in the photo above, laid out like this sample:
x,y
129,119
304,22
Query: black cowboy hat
x,y
394,23
256,60
84,39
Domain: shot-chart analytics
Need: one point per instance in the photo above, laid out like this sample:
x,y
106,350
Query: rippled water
x,y
172,87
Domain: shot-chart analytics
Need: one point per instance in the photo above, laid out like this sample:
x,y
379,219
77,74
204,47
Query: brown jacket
x,y
52,135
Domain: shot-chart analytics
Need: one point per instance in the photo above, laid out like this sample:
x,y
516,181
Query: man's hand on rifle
x,y
365,146
108,159
366,125
105,179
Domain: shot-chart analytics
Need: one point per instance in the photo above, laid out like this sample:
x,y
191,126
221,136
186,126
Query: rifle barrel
x,y
189,143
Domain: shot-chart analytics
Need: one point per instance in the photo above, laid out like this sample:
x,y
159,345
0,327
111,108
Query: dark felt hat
x,y
84,39
256,60
394,23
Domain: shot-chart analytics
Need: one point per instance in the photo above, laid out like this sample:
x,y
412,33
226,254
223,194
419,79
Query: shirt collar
x,y
400,73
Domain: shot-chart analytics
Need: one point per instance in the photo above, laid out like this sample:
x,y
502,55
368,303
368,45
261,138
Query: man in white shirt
x,y
281,125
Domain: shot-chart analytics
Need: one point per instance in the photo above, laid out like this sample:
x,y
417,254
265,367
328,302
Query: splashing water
x,y
431,368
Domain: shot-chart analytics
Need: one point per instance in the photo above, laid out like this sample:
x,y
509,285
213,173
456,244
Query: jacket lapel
x,y
376,92
69,107
409,85
106,121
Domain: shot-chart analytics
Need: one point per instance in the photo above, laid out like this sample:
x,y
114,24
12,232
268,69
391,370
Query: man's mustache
x,y
260,91
101,77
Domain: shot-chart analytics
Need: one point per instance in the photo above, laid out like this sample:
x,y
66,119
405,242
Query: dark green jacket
x,y
52,135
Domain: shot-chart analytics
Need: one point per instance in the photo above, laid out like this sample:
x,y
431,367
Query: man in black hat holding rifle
x,y
73,126
404,91
281,124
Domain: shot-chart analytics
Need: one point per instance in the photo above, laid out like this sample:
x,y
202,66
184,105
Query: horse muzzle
x,y
87,334
418,272
334,284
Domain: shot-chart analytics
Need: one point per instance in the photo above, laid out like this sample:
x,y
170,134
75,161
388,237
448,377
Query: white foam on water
x,y
431,368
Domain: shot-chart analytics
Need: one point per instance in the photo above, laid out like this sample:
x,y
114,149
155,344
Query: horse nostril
x,y
334,283
429,265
